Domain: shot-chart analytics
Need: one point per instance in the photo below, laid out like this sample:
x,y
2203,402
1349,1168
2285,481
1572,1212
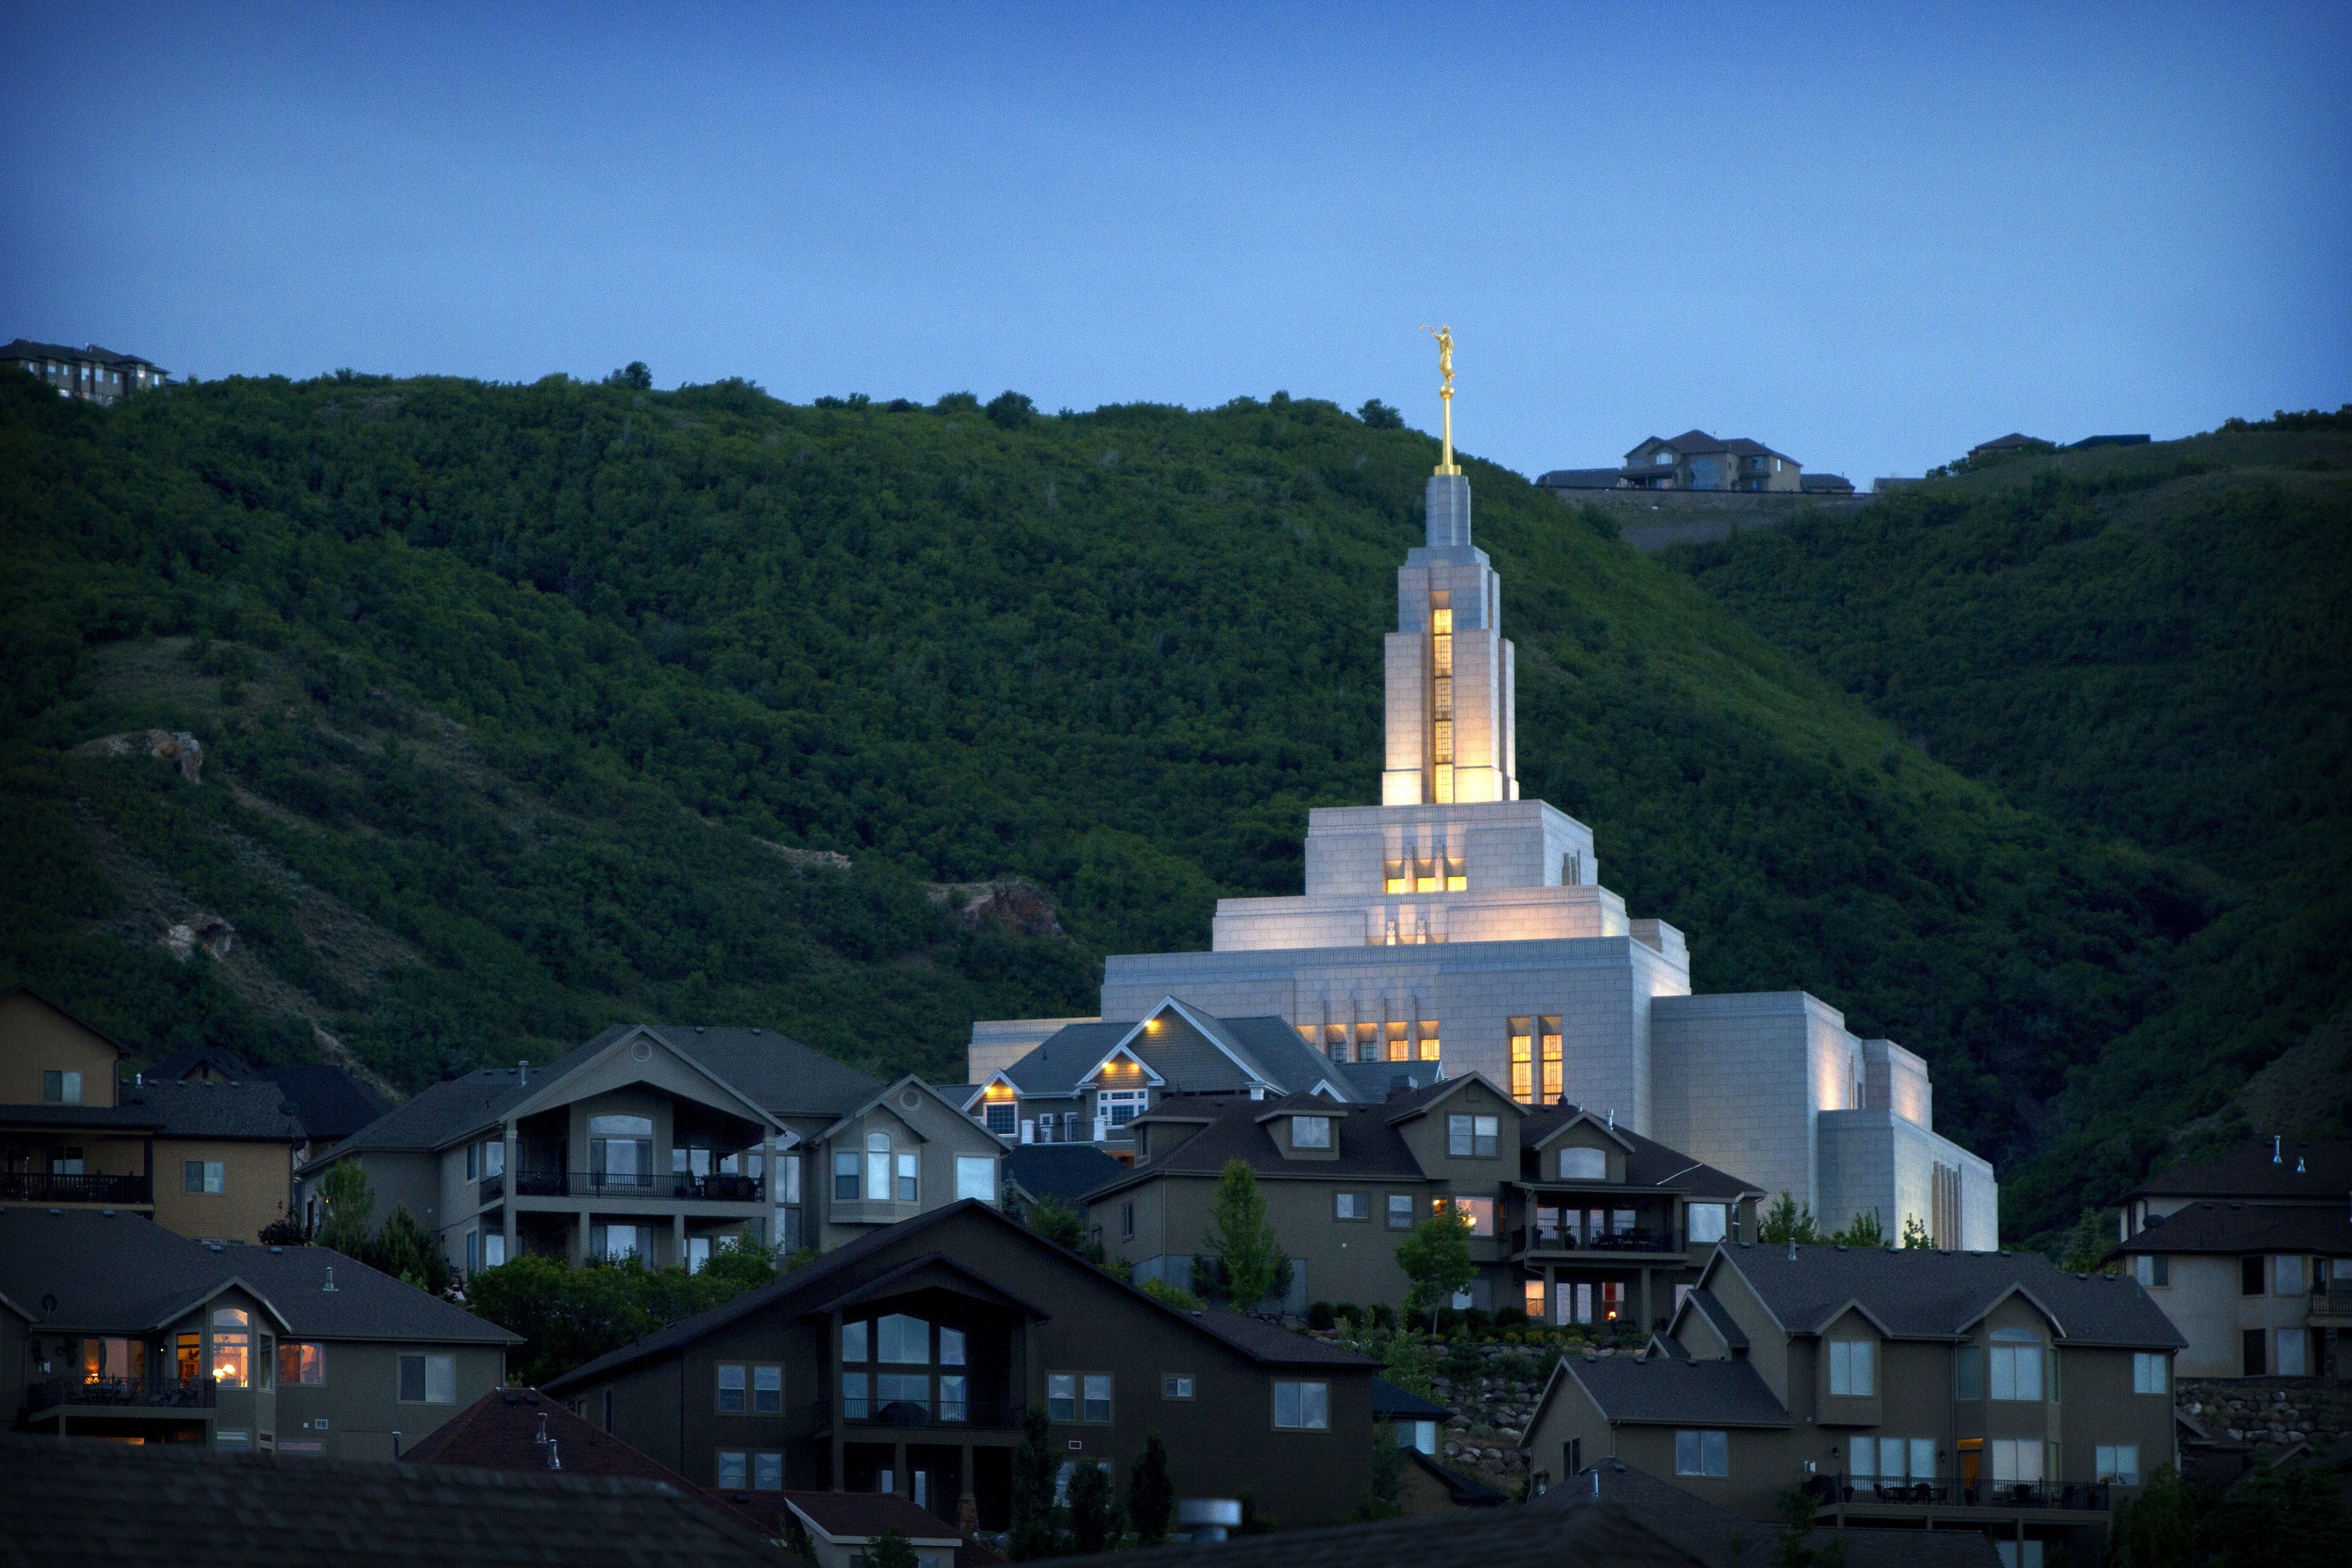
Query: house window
x,y
1533,1291
65,1160
877,1166
1585,1164
844,1177
1062,1395
732,1470
471,1151
951,1347
767,1391
1123,1105
1702,1454
1707,1222
621,1150
203,1176
953,1404
1547,1045
903,1340
428,1380
1126,1221
59,1088
1176,1386
2118,1463
2016,1365
2017,1460
1472,1137
910,1391
1523,1059
232,1357
768,1472
853,1341
2152,1269
473,1251
2151,1373
2250,1276
1348,1205
1302,1407
2286,1275
1004,1117
494,1157
976,1177
614,1243
1480,1212
733,1379
854,1404
1852,1372
301,1365
1098,1390
2292,1361
1612,1300
1400,1211
909,1183
1310,1132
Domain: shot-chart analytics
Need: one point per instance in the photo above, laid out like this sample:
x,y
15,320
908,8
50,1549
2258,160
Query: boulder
x,y
179,747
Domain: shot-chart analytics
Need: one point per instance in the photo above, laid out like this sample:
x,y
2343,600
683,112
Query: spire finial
x,y
1444,336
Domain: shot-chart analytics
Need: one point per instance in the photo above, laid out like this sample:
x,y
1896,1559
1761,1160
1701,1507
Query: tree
x,y
1168,1295
1795,1549
351,1206
2292,1517
1379,415
1863,1230
1093,1512
633,375
1788,1221
402,1250
1437,1258
1150,1493
2087,1243
1387,1473
1010,411
1914,1234
1242,1238
1056,1222
1036,1518
891,1549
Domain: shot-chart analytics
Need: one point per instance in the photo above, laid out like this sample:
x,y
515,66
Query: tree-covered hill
x,y
2152,643
529,708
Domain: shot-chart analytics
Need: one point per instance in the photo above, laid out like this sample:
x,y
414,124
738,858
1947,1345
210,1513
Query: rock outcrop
x,y
179,747
211,932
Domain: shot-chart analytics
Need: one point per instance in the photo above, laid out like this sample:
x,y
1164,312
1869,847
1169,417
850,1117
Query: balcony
x,y
1850,1492
34,1187
963,1415
715,1189
2331,1303
1562,1242
122,1393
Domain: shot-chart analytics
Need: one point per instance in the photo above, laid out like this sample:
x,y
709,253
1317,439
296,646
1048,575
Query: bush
x,y
1168,1295
1510,1317
1383,1315
1319,1315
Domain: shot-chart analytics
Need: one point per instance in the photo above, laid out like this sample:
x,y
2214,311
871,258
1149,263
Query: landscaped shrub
x,y
1319,1315
1383,1315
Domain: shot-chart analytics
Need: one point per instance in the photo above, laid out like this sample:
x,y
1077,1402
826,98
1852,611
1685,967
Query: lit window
x,y
1480,1212
1523,1062
1702,1454
1534,1303
1429,1041
1311,1131
1551,1059
232,1364
1302,1407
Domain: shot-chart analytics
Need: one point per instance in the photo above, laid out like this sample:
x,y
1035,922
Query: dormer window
x,y
1663,456
1310,1132
1583,1165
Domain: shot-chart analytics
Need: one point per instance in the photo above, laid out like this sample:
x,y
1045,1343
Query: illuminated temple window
x,y
1456,876
1428,1039
1523,1075
1368,1042
1394,879
1549,1036
1399,1047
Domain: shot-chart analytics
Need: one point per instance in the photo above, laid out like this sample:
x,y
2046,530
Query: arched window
x,y
878,1167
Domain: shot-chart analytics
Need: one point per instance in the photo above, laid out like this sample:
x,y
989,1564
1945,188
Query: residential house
x,y
211,1159
329,1102
1826,485
100,376
1426,1486
664,1143
1911,1389
2258,1289
1574,1218
2268,1171
2012,444
904,1361
197,1507
1695,460
112,1327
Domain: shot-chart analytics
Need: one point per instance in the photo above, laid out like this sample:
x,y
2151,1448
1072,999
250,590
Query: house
x,y
1721,1539
1607,1535
204,1159
2266,1172
904,1361
112,1327
100,376
2258,1289
197,1507
328,1101
1826,485
1910,1389
664,1143
1456,928
1574,1218
2013,444
1583,479
1695,460
1061,1174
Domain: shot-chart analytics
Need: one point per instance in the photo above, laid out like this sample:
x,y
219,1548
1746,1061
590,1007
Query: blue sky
x,y
1869,236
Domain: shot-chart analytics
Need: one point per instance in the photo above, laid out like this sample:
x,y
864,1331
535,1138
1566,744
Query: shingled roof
x,y
1675,1391
1065,1172
1367,1146
2291,1169
1480,1538
2246,1228
1922,1294
1239,1053
1648,1163
205,1109
194,1507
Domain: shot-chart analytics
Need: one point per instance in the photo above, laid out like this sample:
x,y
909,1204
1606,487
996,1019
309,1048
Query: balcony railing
x,y
493,1187
2079,1495
192,1393
717,1188
1560,1239
38,1187
960,1416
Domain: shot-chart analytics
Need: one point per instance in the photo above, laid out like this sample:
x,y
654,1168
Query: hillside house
x,y
95,374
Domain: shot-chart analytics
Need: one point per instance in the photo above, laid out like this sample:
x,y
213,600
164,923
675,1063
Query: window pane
x,y
1923,1459
1583,1165
768,1390
976,1176
1686,1454
1716,1447
1062,1395
1314,1406
906,1340
952,1399
730,1388
1890,1459
906,1173
1457,1136
412,1379
768,1472
1707,1222
853,1395
1098,1396
951,1347
731,1469
1400,1212
1285,1405
853,1341
619,1126
440,1380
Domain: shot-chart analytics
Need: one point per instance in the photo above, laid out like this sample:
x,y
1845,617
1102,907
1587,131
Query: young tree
x,y
1863,1231
351,1209
1387,1473
1915,1236
1794,1549
1150,1494
1788,1221
1242,1238
1036,1518
2086,1246
1437,1258
1056,1222
891,1549
1093,1512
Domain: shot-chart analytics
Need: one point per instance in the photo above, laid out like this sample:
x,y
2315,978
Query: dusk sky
x,y
1869,237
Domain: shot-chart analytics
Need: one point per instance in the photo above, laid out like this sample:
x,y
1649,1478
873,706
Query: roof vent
x,y
2298,1166
273,1251
522,1072
554,1459
1613,1118
755,1029
106,1213
702,1028
2275,1160
331,1279
542,1422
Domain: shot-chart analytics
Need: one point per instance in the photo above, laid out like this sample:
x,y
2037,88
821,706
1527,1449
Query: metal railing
x,y
494,1188
192,1393
717,1187
1561,1238
961,1414
40,1187
2079,1495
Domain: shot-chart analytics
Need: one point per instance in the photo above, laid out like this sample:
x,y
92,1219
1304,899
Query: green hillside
x,y
2150,643
529,708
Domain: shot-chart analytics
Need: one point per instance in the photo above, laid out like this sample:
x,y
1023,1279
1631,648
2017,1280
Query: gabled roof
x,y
1369,1146
890,1092
195,1507
208,1109
831,1273
125,1274
1923,1294
1417,1102
331,1102
1252,1052
2314,1172
56,1006
1648,1163
1403,1405
1703,1301
2246,1228
1065,1172
181,1063
1465,1491
856,1518
1649,1391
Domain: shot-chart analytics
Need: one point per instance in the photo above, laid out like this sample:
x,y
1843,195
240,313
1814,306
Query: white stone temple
x,y
1456,928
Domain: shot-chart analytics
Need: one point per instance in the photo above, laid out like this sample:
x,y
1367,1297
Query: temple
x,y
1456,928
